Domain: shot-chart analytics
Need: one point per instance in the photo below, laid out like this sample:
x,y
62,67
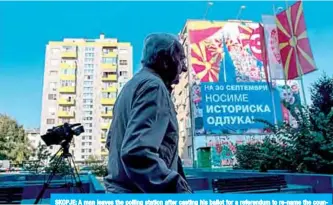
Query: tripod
x,y
65,155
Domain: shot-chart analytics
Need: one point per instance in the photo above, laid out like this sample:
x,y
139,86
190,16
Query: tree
x,y
14,144
322,95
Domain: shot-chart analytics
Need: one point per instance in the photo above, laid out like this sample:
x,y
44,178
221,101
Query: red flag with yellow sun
x,y
296,54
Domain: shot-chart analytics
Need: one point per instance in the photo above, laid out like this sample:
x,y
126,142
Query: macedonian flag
x,y
296,54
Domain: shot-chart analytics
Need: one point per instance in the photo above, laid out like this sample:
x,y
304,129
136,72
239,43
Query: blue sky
x,y
26,27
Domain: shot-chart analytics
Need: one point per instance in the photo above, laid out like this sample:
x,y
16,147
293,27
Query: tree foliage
x,y
308,147
14,143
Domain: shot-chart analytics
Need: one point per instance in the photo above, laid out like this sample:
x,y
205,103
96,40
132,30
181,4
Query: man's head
x,y
164,54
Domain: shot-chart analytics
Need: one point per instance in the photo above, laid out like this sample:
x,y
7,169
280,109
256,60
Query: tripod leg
x,y
47,184
78,180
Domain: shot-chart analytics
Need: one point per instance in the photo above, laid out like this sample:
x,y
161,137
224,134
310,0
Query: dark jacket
x,y
143,140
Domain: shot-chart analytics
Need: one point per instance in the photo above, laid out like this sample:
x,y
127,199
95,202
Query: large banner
x,y
228,56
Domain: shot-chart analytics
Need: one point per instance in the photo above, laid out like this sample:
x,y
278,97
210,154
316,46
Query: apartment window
x,y
52,110
88,77
123,62
65,83
88,71
68,71
52,96
109,60
53,73
91,49
123,51
123,73
109,95
87,118
89,150
87,83
87,101
65,108
50,121
53,86
89,55
68,48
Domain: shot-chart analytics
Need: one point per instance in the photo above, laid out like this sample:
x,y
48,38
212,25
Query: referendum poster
x,y
228,55
229,89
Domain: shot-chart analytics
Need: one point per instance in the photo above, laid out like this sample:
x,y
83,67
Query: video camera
x,y
62,134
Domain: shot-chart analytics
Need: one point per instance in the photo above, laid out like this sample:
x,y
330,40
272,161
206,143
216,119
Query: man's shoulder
x,y
145,79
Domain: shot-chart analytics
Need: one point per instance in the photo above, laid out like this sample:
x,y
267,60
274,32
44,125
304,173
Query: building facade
x,y
33,137
82,79
181,99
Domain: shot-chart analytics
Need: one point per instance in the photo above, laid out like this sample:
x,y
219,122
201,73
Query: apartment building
x,y
33,137
181,99
82,79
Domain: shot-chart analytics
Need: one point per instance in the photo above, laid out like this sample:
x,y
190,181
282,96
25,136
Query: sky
x,y
26,28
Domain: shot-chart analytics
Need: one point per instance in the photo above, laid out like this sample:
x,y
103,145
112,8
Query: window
x,y
86,71
52,110
52,96
88,77
65,108
89,150
82,150
123,73
109,95
109,60
91,55
87,83
88,65
88,60
91,49
53,73
53,86
87,118
65,83
123,62
50,121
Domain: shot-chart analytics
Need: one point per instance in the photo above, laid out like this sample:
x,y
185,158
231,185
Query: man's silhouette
x,y
143,138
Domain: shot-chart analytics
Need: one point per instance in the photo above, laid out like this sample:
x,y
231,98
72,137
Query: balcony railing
x,y
67,65
109,67
105,126
111,89
112,77
107,114
110,55
66,114
67,77
108,101
69,54
64,101
67,89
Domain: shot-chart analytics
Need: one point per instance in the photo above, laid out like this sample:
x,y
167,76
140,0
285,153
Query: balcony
x,y
111,89
112,77
64,101
108,101
104,152
105,126
67,65
67,89
67,77
110,55
66,114
103,140
69,54
109,67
